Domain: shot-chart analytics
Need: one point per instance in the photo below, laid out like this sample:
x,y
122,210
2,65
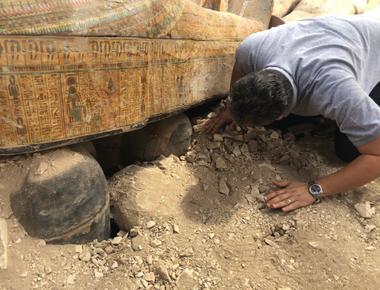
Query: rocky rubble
x,y
227,172
198,221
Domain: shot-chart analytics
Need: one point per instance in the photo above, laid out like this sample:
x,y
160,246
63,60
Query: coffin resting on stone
x,y
78,70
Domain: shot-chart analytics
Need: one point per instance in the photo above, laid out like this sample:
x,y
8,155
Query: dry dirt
x,y
209,229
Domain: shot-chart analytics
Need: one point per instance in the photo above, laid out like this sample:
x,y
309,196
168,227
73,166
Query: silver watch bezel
x,y
316,194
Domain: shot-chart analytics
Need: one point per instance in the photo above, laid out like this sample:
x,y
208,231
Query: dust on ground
x,y
208,227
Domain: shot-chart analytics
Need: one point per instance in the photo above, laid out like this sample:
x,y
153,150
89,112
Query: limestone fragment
x,y
365,210
85,256
223,187
150,224
117,240
191,156
137,243
70,279
155,243
78,249
274,135
314,245
189,252
175,229
98,274
133,233
370,228
150,277
220,163
162,271
236,151
186,280
218,138
271,243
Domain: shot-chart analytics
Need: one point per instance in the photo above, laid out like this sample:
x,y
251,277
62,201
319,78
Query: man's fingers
x,y
281,183
282,203
210,124
279,200
273,194
219,123
292,206
213,125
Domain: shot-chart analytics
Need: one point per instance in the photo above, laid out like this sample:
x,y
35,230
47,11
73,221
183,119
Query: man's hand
x,y
223,118
290,196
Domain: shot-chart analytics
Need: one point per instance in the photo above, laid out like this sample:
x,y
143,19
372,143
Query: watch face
x,y
316,189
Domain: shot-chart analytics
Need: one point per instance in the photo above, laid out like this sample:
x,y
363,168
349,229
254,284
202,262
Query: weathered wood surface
x,y
204,24
253,9
218,5
63,87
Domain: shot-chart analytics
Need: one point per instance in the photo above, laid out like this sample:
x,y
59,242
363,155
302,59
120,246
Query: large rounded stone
x,y
139,194
64,198
169,136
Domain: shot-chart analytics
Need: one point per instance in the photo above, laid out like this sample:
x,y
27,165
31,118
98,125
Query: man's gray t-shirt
x,y
333,64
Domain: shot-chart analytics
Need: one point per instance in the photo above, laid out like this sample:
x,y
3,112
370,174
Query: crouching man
x,y
327,66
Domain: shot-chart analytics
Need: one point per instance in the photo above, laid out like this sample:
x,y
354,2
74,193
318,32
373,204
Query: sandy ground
x,y
210,230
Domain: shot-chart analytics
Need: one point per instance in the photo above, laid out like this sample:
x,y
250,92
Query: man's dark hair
x,y
260,97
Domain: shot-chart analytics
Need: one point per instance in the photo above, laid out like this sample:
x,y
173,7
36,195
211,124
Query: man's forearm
x,y
235,76
362,170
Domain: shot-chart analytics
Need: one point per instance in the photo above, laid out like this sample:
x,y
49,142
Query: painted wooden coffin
x,y
75,70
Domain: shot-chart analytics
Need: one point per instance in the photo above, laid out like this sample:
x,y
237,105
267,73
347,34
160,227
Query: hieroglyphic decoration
x,y
59,88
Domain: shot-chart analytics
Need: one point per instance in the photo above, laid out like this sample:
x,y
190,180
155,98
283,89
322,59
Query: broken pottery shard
x,y
3,244
365,210
223,187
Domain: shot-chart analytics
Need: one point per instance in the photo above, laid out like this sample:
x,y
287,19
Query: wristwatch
x,y
315,190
